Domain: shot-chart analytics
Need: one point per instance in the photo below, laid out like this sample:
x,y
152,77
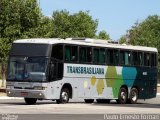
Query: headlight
x,y
39,88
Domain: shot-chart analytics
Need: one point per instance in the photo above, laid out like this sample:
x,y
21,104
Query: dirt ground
x,y
2,94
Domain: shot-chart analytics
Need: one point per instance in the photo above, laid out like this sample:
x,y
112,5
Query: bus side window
x,y
140,58
71,53
82,54
135,58
153,59
102,56
110,56
85,54
67,53
95,55
116,57
89,54
74,56
122,58
146,59
57,52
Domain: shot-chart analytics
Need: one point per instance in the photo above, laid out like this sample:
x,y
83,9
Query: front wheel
x,y
64,96
89,100
30,101
122,96
133,96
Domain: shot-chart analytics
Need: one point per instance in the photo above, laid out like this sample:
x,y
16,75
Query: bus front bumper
x,y
39,94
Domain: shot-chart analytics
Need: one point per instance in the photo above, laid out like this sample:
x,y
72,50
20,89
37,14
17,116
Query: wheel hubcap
x,y
64,97
123,95
134,96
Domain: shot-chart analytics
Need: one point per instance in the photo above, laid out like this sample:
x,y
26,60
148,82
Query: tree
x,y
80,24
45,28
146,33
18,19
103,35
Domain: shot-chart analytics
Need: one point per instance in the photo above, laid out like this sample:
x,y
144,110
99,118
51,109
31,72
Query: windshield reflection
x,y
27,68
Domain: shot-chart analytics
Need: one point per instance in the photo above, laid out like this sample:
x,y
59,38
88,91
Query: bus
x,y
63,69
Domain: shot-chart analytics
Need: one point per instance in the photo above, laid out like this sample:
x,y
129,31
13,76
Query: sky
x,y
114,16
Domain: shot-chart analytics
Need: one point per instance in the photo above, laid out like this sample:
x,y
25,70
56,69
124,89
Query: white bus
x,y
58,69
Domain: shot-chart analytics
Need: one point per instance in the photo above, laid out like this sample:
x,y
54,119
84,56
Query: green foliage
x,y
146,33
123,40
79,24
45,28
103,35
18,19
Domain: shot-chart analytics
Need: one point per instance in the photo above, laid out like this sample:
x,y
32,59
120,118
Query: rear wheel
x,y
103,100
122,96
30,101
64,96
89,100
133,96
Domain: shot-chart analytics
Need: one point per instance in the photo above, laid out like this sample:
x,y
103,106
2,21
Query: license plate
x,y
24,93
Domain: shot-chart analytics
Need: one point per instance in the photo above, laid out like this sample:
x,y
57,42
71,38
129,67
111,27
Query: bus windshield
x,y
27,69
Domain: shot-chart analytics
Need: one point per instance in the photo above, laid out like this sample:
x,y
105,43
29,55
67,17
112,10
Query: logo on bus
x,y
85,70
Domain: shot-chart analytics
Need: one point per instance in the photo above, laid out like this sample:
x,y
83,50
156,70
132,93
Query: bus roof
x,y
86,41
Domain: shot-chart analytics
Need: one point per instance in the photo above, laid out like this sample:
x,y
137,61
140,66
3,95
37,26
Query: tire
x,y
30,101
133,96
122,96
103,100
64,96
89,100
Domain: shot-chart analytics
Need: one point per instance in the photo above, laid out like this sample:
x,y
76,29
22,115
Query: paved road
x,y
17,106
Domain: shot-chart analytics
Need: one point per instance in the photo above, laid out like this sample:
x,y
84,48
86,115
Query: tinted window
x,y
26,49
135,58
67,53
71,53
96,55
85,54
57,52
122,57
112,57
146,59
140,58
153,60
125,57
102,56
82,54
89,54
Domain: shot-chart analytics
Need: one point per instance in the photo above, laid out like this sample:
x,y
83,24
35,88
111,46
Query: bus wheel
x,y
133,97
103,100
89,100
122,96
64,96
30,101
